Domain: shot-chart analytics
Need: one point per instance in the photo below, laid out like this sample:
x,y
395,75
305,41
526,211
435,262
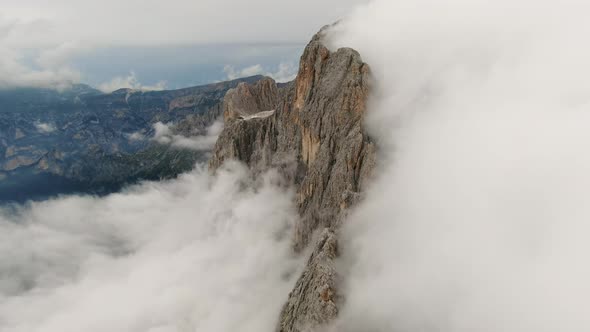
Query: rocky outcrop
x,y
247,99
315,299
313,133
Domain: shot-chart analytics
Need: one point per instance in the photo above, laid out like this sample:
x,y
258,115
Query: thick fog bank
x,y
479,217
200,253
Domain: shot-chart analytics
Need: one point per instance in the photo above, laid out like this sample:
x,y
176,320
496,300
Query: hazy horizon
x,y
180,66
150,45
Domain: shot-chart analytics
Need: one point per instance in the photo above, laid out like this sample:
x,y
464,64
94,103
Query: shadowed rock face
x,y
315,138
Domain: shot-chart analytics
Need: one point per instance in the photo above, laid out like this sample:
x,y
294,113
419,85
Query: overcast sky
x,y
43,41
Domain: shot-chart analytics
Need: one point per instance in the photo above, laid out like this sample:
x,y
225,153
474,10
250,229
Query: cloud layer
x,y
152,22
39,39
478,217
201,253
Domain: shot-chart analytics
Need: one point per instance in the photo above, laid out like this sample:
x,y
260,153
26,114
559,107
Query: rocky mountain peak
x,y
315,138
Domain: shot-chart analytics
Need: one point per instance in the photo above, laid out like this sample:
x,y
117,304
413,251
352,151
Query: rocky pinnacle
x,y
311,130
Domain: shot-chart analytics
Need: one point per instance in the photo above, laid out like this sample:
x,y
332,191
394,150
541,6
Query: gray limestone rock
x,y
315,138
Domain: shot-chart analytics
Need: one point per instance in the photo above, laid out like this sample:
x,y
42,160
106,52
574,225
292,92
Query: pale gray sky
x,y
40,38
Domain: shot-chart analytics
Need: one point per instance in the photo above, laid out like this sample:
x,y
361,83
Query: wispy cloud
x,y
284,73
164,134
44,127
130,82
14,71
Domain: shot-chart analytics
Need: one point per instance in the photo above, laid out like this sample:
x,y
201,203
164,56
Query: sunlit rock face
x,y
314,135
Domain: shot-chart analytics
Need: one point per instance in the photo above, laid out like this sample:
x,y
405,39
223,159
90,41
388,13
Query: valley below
x,y
80,140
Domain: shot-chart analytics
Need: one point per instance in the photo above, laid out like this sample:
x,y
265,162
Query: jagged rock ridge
x,y
312,131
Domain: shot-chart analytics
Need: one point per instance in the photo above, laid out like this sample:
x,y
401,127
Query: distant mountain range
x,y
81,140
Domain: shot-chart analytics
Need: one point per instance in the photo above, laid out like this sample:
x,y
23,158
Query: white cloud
x,y
284,73
478,217
60,54
173,22
201,253
232,73
163,134
137,136
44,128
14,72
129,82
59,29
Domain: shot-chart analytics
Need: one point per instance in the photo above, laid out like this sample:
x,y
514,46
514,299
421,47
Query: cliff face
x,y
247,99
312,131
